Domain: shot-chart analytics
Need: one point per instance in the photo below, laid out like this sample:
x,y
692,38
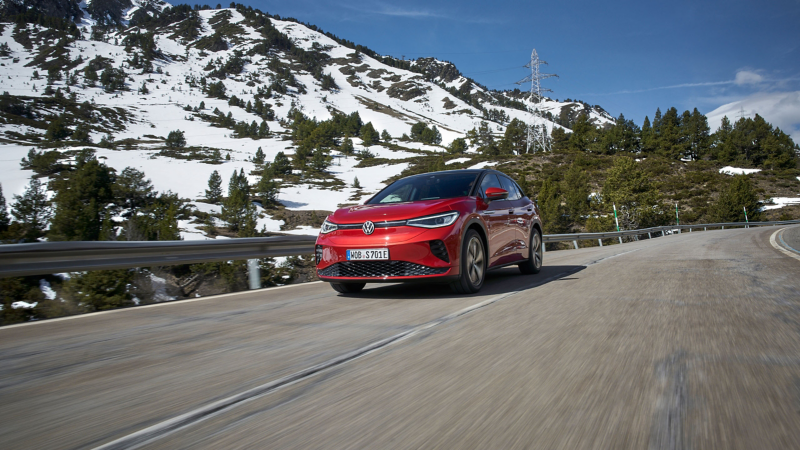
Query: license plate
x,y
369,254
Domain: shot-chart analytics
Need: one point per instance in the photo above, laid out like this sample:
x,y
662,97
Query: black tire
x,y
473,261
348,288
533,264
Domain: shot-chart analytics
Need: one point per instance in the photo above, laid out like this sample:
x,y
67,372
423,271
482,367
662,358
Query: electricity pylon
x,y
538,137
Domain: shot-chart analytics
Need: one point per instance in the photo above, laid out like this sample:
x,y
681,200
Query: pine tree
x,y
576,189
81,133
263,129
696,134
100,290
267,188
385,136
560,139
57,130
82,201
214,191
175,139
458,146
416,130
31,211
320,160
132,190
583,134
234,208
4,219
647,137
281,164
515,138
637,199
739,194
347,146
550,208
670,143
249,221
436,136
259,157
368,134
165,213
356,183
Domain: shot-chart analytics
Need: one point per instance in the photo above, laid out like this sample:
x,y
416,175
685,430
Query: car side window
x,y
490,180
511,187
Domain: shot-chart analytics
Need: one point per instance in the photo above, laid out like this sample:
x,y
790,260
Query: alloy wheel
x,y
537,250
475,261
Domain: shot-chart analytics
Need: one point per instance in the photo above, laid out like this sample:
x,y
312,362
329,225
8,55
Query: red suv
x,y
451,226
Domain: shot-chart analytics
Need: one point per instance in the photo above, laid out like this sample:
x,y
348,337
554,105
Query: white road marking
x,y
774,241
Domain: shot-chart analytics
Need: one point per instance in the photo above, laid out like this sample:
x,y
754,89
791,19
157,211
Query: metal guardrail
x,y
55,257
650,231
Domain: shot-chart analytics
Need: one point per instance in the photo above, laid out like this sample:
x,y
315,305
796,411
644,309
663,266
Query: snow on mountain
x,y
391,98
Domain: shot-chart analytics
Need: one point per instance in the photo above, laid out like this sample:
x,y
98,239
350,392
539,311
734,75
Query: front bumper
x,y
410,254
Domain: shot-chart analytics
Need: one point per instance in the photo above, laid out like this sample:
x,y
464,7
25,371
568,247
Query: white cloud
x,y
747,77
781,109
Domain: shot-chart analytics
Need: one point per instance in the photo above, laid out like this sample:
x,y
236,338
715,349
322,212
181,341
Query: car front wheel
x,y
534,262
473,265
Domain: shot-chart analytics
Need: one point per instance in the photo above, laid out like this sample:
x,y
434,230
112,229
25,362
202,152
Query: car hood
x,y
393,211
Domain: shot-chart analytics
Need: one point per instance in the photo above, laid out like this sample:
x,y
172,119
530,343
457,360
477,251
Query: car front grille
x,y
366,269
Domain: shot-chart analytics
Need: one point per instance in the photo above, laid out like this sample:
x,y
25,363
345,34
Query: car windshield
x,y
427,187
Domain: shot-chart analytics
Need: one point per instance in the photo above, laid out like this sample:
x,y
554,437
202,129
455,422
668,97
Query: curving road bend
x,y
685,341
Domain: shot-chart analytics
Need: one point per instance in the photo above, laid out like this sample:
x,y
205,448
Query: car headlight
x,y
327,227
434,221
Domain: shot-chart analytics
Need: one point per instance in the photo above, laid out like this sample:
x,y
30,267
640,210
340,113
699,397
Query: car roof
x,y
476,171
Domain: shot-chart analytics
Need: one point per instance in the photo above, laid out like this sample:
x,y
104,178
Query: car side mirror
x,y
494,193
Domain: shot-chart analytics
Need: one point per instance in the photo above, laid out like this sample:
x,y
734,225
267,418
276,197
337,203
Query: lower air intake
x,y
439,250
365,269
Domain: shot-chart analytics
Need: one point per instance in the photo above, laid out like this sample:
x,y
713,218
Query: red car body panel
x,y
505,224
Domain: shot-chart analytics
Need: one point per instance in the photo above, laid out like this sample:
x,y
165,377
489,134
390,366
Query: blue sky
x,y
629,57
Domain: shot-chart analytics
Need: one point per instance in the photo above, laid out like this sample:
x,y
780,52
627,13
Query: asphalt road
x,y
685,341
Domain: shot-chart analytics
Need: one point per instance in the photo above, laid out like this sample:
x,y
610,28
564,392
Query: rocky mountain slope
x,y
132,72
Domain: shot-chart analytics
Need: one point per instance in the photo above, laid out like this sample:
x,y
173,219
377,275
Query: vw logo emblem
x,y
368,227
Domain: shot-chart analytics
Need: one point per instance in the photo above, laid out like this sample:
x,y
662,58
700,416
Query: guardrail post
x,y
254,274
600,241
723,227
705,228
576,244
620,239
649,236
690,230
544,248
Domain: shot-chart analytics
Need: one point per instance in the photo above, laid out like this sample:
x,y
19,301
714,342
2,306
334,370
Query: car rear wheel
x,y
348,288
534,262
473,265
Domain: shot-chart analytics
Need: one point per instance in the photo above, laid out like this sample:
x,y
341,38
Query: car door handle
x,y
511,211
530,208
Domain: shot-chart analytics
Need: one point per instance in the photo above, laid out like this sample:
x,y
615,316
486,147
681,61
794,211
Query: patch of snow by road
x,y
23,305
48,291
159,286
280,260
780,202
729,170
